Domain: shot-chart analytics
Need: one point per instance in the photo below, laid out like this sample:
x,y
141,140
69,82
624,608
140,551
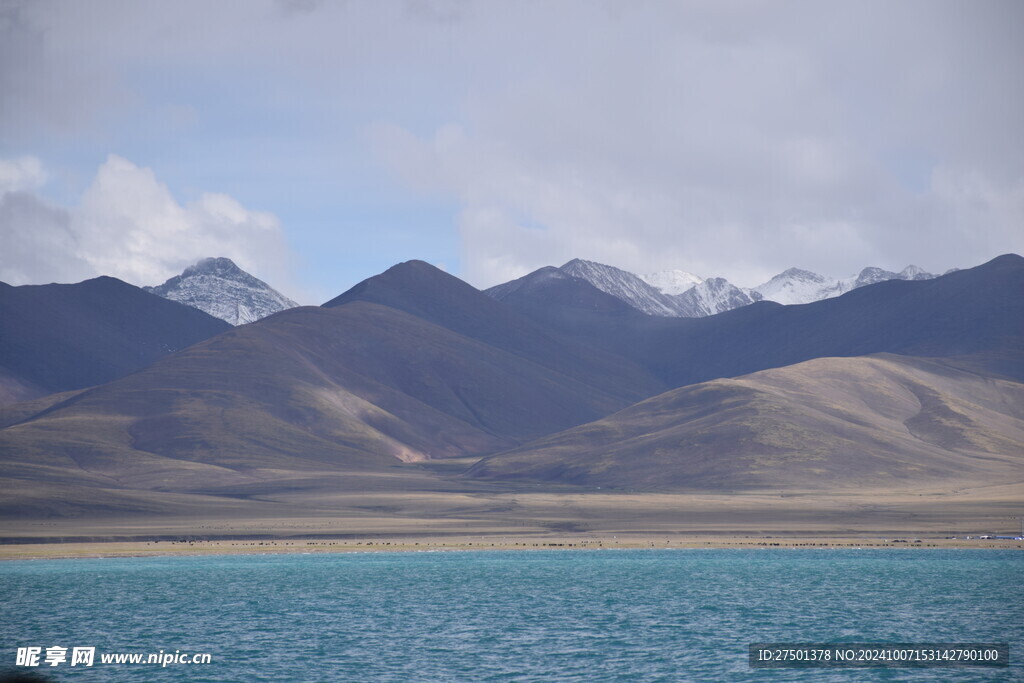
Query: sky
x,y
319,143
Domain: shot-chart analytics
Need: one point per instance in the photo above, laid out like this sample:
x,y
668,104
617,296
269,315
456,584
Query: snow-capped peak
x,y
672,282
622,285
796,286
714,295
873,274
676,293
703,297
800,274
222,289
913,272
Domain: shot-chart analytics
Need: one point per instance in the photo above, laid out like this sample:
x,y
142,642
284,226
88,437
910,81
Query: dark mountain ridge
x,y
967,312
352,388
421,290
61,337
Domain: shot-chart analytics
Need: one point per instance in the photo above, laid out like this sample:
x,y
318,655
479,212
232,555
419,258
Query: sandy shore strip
x,y
26,551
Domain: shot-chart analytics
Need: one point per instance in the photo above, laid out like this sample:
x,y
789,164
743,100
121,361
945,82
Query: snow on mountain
x,y
672,282
913,272
676,293
623,285
714,295
695,297
222,289
796,286
872,275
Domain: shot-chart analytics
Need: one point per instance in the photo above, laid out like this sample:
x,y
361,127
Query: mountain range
x,y
219,287
796,286
548,380
676,293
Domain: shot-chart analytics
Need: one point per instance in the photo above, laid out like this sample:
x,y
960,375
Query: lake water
x,y
613,615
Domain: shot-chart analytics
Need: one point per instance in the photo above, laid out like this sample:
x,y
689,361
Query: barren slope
x,y
830,423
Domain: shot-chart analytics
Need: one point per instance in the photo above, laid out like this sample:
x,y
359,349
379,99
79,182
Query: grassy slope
x,y
836,423
354,388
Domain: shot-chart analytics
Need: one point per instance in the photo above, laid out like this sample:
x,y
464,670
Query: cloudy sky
x,y
318,143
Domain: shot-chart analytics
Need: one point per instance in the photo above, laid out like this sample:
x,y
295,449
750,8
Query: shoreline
x,y
327,545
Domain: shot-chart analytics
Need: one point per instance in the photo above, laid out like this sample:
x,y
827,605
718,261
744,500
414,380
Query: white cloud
x,y
24,173
128,225
724,138
737,140
39,245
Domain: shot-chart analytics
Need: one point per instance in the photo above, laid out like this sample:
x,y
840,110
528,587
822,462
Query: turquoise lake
x,y
613,615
